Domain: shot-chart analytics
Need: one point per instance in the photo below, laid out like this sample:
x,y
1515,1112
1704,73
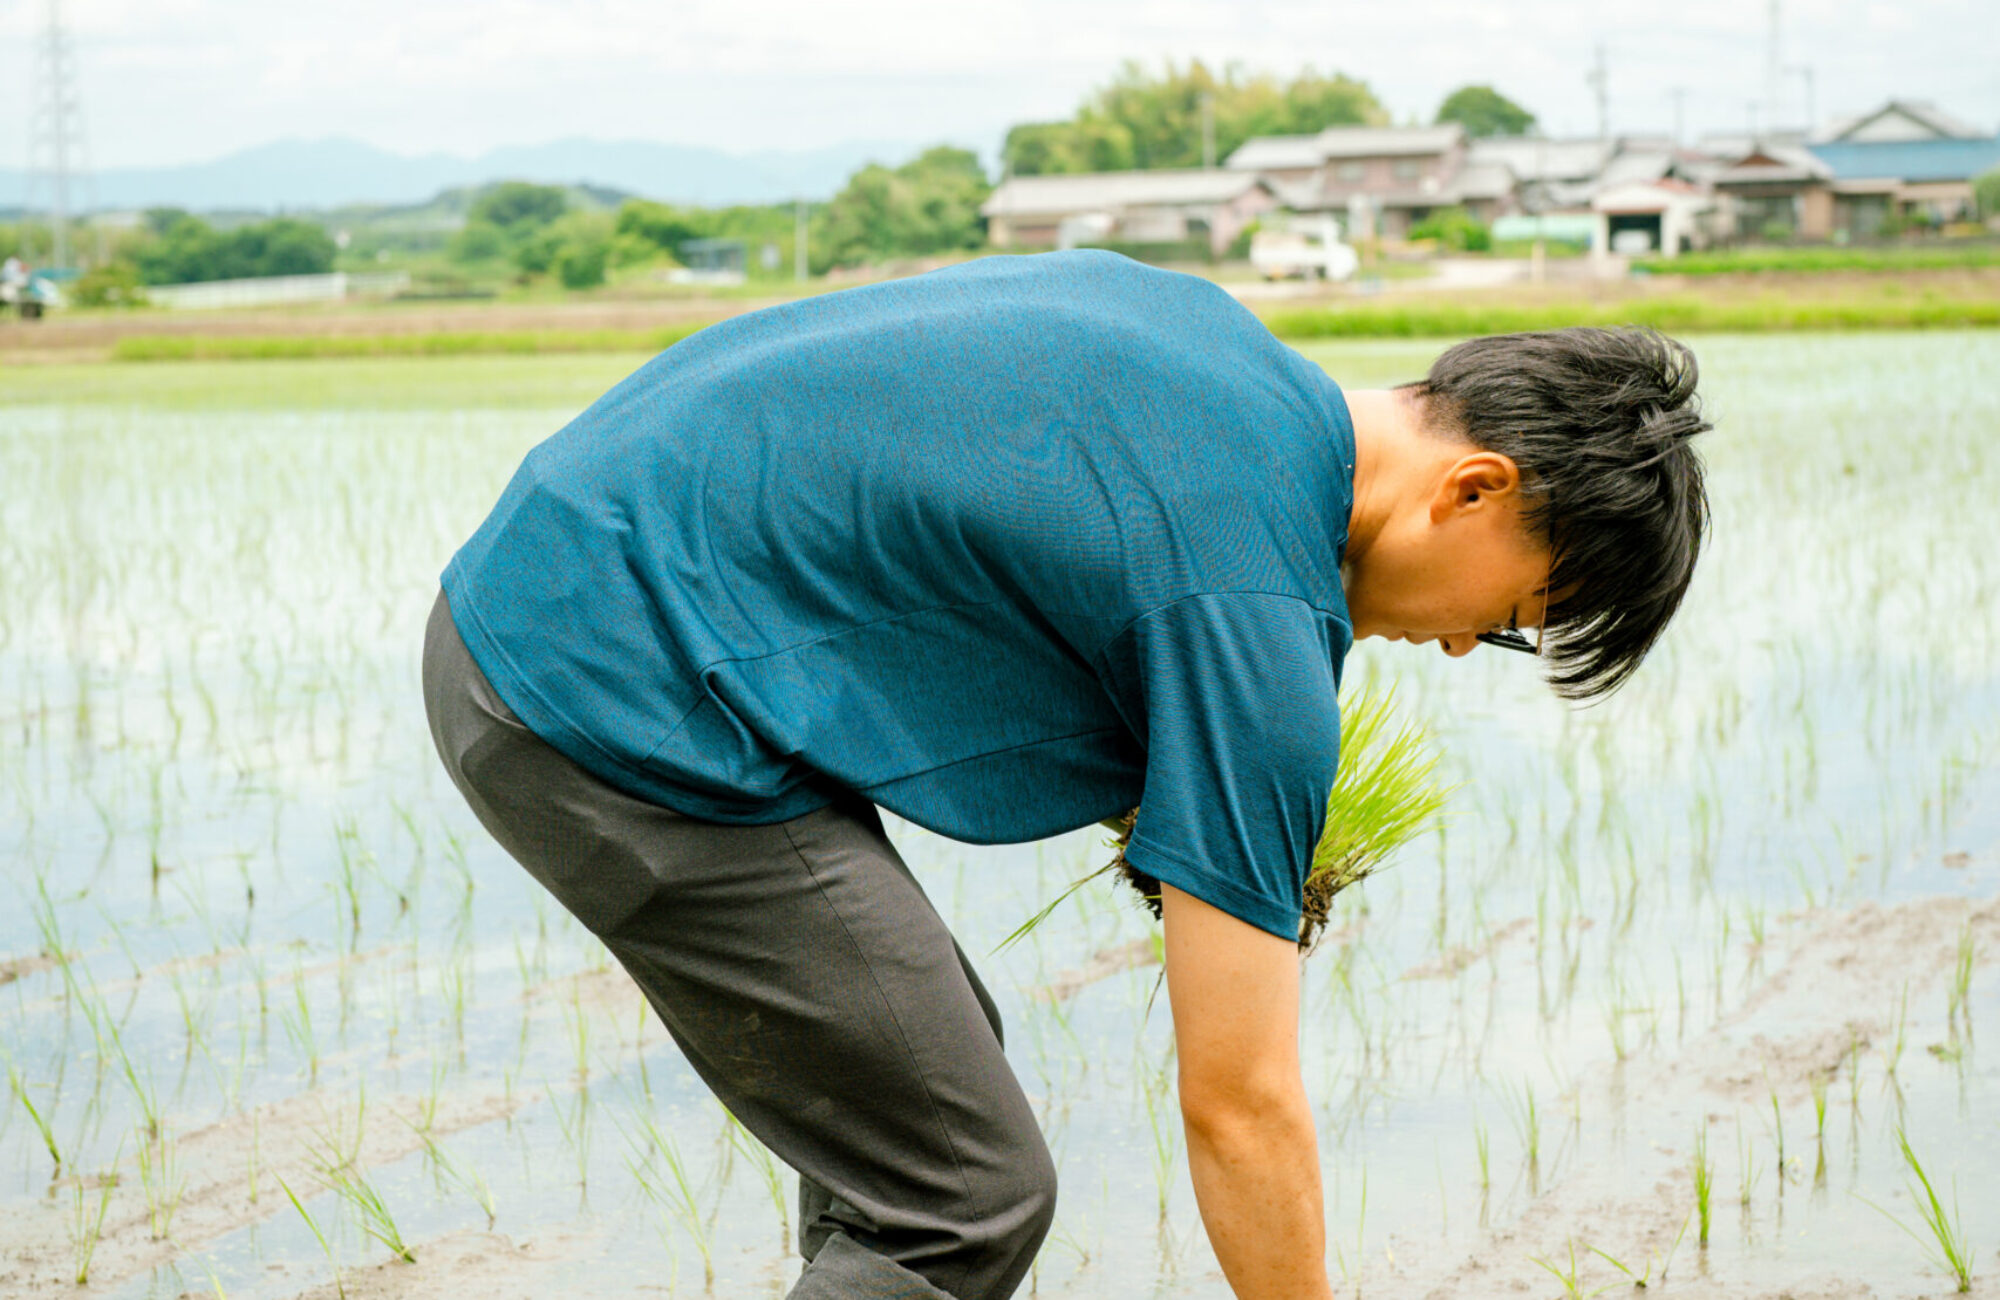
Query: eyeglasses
x,y
1508,638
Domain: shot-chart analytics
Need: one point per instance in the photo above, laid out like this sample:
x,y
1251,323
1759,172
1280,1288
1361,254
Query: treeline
x,y
927,206
180,248
1142,120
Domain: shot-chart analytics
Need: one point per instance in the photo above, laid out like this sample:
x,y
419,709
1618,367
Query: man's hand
x,y
1251,1146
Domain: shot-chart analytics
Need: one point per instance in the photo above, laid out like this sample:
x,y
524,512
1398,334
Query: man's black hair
x,y
1599,423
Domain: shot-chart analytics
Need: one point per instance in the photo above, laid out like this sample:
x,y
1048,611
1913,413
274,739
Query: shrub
x,y
116,285
1456,229
580,264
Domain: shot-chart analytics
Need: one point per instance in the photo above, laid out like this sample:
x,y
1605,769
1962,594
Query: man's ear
x,y
1471,480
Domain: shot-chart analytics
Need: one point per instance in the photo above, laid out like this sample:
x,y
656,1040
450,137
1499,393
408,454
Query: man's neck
x,y
1391,456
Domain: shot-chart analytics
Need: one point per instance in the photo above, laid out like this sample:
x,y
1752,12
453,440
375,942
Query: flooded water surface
x,y
275,1013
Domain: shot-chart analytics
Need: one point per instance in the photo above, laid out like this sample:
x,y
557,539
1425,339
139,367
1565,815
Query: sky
x,y
165,82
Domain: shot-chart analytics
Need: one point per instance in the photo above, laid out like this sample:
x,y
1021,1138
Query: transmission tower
x,y
55,131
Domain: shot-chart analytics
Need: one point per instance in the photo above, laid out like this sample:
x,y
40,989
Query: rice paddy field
x,y
1695,989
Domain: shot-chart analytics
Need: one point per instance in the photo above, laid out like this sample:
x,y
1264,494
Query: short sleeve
x,y
1234,697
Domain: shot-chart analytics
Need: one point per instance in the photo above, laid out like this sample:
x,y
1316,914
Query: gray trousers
x,y
810,984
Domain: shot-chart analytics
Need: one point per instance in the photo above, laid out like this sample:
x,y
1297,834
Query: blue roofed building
x,y
1905,160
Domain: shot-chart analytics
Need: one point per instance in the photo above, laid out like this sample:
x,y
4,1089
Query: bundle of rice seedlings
x,y
1384,795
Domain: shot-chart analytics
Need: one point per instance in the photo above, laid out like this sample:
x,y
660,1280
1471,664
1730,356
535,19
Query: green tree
x,y
580,263
928,205
1142,119
1052,148
1986,193
662,225
1484,111
477,241
518,207
182,249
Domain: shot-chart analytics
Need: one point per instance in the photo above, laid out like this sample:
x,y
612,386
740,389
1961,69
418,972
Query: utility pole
x,y
55,128
1679,95
799,271
1812,108
1599,81
1773,90
1208,130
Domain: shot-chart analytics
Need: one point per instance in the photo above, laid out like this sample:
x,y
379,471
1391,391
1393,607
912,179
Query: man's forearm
x,y
1256,1178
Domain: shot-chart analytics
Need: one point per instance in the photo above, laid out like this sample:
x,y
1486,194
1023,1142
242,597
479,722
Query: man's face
x,y
1456,564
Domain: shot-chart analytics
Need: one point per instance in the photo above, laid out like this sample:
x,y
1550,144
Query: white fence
x,y
269,290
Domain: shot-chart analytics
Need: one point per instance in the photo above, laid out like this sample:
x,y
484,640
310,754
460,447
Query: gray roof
x,y
1787,163
1482,180
1920,111
1054,196
1731,145
1275,153
1533,158
1636,166
1382,141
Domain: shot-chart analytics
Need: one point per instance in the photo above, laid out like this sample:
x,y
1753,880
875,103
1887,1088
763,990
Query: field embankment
x,y
1693,299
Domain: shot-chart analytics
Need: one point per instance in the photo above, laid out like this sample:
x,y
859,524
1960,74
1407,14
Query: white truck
x,y
1304,247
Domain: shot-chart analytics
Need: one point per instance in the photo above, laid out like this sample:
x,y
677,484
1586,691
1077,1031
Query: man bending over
x,y
1009,549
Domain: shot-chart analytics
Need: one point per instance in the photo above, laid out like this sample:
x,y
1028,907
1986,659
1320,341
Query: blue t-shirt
x,y
1007,548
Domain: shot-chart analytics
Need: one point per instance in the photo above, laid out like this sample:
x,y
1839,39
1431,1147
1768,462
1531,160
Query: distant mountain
x,y
337,172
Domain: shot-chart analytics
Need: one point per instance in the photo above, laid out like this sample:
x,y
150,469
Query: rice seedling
x,y
1384,795
1746,1166
339,1283
1946,1243
87,1226
575,1129
1703,1174
1528,1128
760,1156
1957,1006
1572,1284
370,1211
161,1179
19,1088
674,1193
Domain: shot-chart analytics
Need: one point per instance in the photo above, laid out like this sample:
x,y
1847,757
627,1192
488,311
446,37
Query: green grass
x,y
1921,257
455,343
1675,314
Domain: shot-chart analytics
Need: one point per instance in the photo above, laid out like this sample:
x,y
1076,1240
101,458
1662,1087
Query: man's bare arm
x,y
1251,1146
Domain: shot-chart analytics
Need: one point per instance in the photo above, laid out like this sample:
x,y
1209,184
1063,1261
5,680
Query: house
x,y
1906,159
1385,178
1777,191
1552,175
1897,121
1663,215
1140,207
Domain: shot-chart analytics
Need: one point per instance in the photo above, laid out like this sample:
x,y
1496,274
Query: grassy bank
x,y
1676,314
459,343
1921,257
1409,317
